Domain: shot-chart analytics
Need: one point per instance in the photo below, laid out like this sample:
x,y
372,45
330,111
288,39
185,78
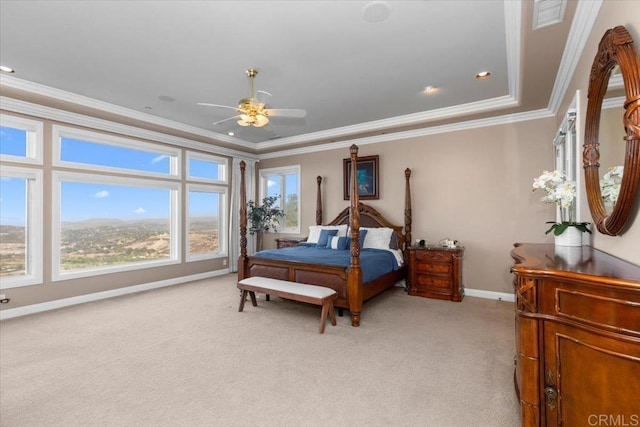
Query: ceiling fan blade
x,y
206,104
224,120
286,112
261,96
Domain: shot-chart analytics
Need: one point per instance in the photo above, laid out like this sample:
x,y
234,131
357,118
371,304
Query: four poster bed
x,y
353,273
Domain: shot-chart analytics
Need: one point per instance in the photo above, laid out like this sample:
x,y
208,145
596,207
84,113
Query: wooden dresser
x,y
436,272
577,337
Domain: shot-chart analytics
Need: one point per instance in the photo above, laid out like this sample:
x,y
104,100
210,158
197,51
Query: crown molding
x,y
416,133
513,35
581,27
381,125
40,111
61,95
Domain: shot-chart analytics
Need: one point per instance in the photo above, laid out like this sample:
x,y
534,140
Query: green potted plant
x,y
562,193
264,218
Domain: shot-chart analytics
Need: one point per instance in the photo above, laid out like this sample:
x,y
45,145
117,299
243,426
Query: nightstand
x,y
285,242
436,272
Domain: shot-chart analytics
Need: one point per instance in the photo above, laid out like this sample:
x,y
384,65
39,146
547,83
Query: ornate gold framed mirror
x,y
616,49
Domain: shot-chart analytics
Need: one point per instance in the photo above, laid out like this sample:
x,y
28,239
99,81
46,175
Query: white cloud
x,y
159,159
140,211
101,194
271,183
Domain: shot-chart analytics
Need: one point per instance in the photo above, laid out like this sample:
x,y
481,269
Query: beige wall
x,y
473,186
612,13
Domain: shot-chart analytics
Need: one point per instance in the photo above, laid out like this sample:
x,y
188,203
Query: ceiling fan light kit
x,y
252,111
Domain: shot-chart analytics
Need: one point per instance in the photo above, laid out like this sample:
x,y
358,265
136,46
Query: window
x,y
567,155
284,183
20,140
206,219
20,202
20,227
82,149
206,168
105,224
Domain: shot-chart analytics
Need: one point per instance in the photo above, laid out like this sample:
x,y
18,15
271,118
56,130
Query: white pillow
x,y
314,231
377,238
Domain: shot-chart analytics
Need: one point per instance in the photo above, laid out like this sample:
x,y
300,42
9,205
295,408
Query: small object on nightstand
x,y
285,242
436,272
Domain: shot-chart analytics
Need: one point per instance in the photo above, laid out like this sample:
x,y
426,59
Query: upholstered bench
x,y
318,295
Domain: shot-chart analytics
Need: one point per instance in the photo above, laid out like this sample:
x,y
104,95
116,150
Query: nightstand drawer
x,y
433,256
433,281
433,268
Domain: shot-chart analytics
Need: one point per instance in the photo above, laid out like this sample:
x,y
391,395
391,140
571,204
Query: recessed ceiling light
x,y
6,69
483,75
429,90
376,11
230,133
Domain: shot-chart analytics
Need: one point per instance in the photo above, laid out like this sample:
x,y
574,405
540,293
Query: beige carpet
x,y
184,356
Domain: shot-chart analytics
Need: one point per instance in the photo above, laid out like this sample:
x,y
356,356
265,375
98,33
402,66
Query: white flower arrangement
x,y
558,189
610,185
562,193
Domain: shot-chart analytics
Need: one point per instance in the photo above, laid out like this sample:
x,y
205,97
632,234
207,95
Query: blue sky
x,y
82,201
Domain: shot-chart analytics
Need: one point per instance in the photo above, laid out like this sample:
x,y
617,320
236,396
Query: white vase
x,y
569,255
571,237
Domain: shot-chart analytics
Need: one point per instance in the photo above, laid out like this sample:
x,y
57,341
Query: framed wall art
x,y
368,177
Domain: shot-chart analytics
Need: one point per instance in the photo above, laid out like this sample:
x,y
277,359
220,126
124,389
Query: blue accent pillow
x,y
324,239
363,233
339,243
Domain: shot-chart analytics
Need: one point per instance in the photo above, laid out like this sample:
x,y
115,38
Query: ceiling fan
x,y
253,110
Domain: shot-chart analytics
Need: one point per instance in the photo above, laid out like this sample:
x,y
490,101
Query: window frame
x,y
281,172
206,158
175,222
34,227
223,231
58,132
35,139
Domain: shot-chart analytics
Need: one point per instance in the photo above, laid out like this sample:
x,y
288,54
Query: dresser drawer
x,y
433,256
433,281
438,268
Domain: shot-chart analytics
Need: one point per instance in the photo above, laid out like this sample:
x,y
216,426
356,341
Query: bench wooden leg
x,y
243,298
327,307
323,316
332,313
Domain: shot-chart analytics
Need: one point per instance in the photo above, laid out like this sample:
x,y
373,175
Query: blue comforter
x,y
374,262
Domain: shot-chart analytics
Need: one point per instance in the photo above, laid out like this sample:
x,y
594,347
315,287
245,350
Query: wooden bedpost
x,y
354,279
243,260
319,202
407,210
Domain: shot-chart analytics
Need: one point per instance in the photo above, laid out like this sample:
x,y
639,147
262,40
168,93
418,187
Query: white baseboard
x,y
66,302
489,294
